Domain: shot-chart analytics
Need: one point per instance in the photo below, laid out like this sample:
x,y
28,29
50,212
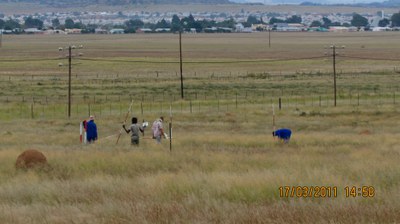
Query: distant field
x,y
224,166
25,8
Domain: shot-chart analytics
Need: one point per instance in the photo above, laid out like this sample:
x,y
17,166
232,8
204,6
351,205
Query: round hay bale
x,y
30,158
365,132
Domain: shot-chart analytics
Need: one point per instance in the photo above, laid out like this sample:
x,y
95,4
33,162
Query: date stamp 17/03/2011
x,y
325,191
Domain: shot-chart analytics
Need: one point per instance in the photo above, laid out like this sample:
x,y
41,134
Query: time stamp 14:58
x,y
325,191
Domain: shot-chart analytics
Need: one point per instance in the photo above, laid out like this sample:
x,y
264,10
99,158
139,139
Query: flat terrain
x,y
224,167
26,8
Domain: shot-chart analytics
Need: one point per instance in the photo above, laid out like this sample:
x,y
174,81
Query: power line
x,y
202,62
29,60
374,59
195,62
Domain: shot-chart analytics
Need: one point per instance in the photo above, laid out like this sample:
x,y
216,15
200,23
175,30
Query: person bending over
x,y
283,134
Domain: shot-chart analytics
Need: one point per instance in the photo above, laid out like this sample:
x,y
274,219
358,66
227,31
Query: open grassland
x,y
27,8
224,166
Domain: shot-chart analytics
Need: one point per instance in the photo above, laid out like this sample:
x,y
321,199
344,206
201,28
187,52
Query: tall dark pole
x,y
69,80
269,37
1,38
180,61
170,127
334,72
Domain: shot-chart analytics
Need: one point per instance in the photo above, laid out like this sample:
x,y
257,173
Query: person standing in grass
x,y
283,134
135,129
158,130
91,130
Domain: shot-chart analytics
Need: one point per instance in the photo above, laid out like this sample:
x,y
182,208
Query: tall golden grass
x,y
214,173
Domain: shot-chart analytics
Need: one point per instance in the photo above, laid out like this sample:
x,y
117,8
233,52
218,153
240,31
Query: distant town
x,y
207,22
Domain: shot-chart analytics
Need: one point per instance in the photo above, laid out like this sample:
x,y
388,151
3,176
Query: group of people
x,y
158,131
135,129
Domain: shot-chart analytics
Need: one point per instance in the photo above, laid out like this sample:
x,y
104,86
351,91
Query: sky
x,y
274,2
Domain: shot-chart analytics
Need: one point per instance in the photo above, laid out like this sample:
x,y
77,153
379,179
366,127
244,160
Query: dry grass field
x,y
224,167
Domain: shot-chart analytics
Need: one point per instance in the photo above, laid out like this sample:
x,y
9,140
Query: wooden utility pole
x,y
269,37
170,128
69,80
180,61
334,53
334,72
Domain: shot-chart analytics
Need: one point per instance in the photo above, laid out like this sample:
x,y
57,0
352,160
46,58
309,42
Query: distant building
x,y
259,27
338,29
117,31
33,31
144,30
289,27
73,31
100,31
317,29
378,29
55,32
218,30
163,30
239,27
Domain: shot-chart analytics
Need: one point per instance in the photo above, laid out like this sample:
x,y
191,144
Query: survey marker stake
x,y
126,117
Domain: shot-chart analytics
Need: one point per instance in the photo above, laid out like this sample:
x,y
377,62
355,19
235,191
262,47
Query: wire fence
x,y
40,108
97,92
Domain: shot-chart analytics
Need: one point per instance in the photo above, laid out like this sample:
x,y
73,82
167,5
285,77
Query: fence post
x,y
236,102
32,114
280,103
394,98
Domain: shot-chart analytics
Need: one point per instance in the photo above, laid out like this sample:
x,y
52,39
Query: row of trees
x,y
187,23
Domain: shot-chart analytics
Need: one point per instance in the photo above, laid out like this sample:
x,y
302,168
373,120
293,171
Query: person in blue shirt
x,y
283,134
91,130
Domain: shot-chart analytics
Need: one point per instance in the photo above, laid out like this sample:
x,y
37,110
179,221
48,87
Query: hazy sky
x,y
316,1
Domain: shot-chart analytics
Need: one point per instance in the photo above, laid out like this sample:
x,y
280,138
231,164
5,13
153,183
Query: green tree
x,y
230,23
2,24
79,25
395,19
69,23
252,20
90,28
11,24
55,23
274,20
326,20
188,22
33,23
359,20
132,25
294,19
316,23
384,22
163,24
207,23
175,23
